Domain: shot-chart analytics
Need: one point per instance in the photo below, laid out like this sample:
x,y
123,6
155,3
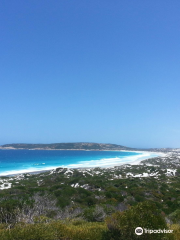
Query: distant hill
x,y
66,146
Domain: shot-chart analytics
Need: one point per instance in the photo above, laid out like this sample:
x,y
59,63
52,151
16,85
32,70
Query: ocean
x,y
23,161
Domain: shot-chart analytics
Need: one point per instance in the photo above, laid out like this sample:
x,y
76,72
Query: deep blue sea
x,y
21,161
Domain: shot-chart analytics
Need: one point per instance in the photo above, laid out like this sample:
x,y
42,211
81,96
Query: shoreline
x,y
103,163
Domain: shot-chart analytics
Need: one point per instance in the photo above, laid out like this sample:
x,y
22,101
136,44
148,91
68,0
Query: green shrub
x,y
175,216
122,225
176,231
55,231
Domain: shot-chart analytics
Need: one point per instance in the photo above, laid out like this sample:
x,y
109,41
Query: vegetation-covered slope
x,y
67,146
101,199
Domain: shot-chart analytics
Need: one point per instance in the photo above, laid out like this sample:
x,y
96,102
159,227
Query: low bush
x,y
55,231
122,225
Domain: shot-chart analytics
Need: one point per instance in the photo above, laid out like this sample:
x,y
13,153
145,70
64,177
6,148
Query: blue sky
x,y
90,71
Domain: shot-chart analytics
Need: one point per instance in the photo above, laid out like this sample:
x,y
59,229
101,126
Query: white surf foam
x,y
104,163
111,162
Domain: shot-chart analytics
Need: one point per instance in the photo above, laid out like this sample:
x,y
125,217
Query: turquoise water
x,y
20,161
